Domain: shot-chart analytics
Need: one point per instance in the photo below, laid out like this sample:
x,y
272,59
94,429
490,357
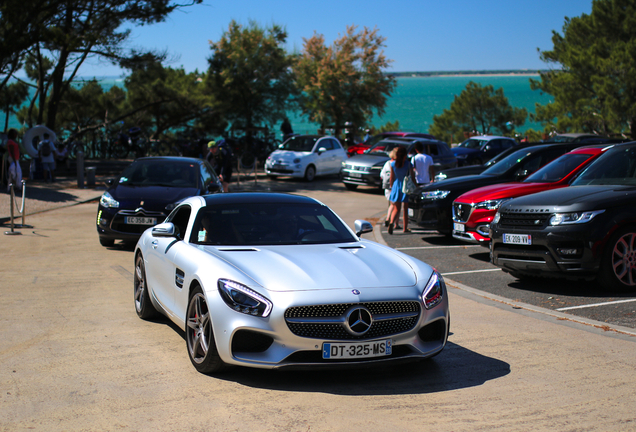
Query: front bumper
x,y
431,214
571,251
111,223
361,178
291,170
274,343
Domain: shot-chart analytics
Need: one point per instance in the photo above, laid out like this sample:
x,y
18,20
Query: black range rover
x,y
586,230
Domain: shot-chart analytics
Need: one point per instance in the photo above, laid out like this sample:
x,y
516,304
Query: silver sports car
x,y
275,280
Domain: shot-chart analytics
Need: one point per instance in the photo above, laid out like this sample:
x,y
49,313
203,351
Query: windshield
x,y
299,144
508,162
154,172
472,143
384,147
259,224
616,167
558,168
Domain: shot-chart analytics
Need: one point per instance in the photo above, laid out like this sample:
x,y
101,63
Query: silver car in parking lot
x,y
275,280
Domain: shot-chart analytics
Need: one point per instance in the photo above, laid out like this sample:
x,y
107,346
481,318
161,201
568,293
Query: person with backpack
x,y
220,157
45,153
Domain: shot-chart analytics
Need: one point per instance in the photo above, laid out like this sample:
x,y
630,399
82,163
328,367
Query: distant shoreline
x,y
471,73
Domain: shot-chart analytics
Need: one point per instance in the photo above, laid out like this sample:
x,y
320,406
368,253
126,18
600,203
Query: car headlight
x,y
434,291
244,300
573,218
435,195
297,160
108,201
491,204
496,218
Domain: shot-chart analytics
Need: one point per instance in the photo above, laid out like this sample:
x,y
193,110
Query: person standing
x,y
400,168
15,172
385,175
423,165
45,153
286,129
221,160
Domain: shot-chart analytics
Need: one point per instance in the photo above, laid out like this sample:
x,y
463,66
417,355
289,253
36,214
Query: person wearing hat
x,y
221,160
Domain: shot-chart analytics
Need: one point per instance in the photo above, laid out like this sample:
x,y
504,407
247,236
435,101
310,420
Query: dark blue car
x,y
147,191
479,149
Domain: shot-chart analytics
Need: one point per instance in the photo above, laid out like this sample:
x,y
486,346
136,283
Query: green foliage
x,y
11,97
388,127
250,74
346,81
481,109
594,77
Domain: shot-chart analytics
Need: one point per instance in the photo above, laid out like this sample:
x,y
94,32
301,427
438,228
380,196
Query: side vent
x,y
179,278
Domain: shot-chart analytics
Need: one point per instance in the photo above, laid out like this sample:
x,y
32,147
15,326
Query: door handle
x,y
154,244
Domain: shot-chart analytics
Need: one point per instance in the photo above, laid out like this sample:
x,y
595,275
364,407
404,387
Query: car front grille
x,y
525,221
328,321
461,212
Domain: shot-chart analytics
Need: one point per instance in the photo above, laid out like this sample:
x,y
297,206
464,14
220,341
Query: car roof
x,y
410,140
488,137
257,197
169,158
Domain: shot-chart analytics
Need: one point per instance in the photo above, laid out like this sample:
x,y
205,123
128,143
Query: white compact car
x,y
274,280
306,156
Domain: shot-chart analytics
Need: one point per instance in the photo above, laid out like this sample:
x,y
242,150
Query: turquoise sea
x,y
417,99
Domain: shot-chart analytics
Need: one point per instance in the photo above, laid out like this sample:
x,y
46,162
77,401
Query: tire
x,y
200,337
106,242
618,265
143,305
351,187
310,173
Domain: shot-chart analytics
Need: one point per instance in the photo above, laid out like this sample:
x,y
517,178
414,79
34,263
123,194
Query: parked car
x,y
145,193
274,280
586,230
474,210
478,169
364,169
306,156
479,149
431,206
360,148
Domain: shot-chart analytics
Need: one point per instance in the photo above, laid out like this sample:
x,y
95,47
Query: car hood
x,y
463,151
154,198
312,267
505,190
367,160
288,155
464,182
574,198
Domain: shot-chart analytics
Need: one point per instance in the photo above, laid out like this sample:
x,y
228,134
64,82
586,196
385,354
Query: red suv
x,y
474,210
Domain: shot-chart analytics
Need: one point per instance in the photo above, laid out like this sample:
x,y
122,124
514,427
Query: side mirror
x,y
321,150
362,227
166,229
214,187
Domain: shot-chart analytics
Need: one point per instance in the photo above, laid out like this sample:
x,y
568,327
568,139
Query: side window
x,y
433,150
326,143
336,145
507,144
180,217
495,145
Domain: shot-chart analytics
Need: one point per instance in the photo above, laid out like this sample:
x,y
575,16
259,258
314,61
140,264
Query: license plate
x,y
354,350
355,174
136,220
522,239
459,227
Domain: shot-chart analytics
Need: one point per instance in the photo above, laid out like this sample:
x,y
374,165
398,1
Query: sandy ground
x,y
75,357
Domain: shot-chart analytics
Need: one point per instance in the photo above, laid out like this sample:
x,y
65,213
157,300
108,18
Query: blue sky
x,y
424,35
